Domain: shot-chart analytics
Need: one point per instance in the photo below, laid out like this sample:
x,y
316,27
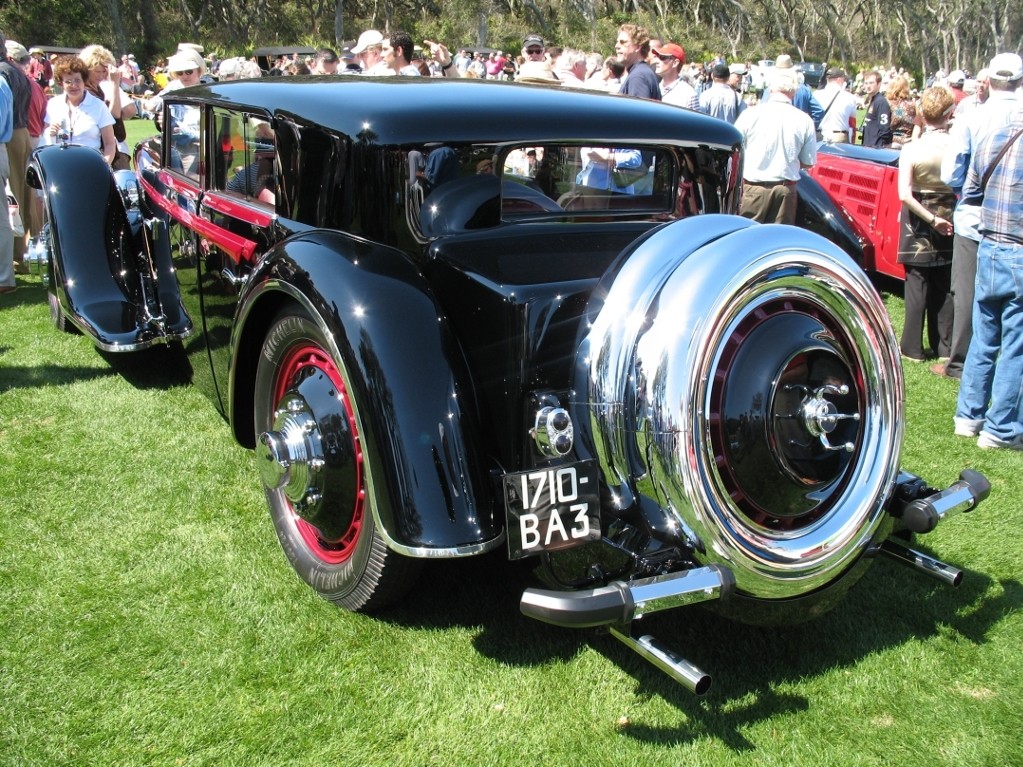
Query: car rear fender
x,y
399,358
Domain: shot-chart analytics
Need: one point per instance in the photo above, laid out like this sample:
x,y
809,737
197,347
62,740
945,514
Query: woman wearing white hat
x,y
186,68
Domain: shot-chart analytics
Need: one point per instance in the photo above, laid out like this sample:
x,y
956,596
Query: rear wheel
x,y
316,476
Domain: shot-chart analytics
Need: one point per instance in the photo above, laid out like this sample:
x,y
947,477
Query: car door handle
x,y
233,278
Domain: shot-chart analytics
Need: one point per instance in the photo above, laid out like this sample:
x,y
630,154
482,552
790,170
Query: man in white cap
x,y
370,50
1005,72
956,80
990,401
185,68
979,95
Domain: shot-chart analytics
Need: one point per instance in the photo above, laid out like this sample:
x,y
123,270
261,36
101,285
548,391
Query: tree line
x,y
920,35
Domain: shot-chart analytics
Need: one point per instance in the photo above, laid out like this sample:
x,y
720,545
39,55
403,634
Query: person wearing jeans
x,y
967,133
991,387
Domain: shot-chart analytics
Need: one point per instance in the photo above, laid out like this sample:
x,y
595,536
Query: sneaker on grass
x,y
967,427
991,442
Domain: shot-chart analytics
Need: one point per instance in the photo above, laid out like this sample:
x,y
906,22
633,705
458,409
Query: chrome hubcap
x,y
290,456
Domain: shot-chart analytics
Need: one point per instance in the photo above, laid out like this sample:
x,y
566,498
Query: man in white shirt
x,y
398,51
674,89
779,141
839,107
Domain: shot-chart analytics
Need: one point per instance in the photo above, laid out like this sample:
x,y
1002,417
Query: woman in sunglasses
x,y
185,68
76,116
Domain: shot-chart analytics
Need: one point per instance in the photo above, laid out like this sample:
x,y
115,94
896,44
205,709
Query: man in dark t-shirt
x,y
877,122
632,48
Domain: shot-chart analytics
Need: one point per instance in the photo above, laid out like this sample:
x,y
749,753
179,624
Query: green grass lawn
x,y
148,617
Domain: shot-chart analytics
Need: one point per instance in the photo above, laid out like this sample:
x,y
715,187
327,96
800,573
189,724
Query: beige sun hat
x,y
182,61
538,72
16,51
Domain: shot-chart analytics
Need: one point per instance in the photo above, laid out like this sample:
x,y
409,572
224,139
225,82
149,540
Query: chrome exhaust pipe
x,y
667,660
937,569
619,603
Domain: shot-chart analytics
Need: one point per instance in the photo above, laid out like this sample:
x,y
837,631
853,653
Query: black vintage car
x,y
457,316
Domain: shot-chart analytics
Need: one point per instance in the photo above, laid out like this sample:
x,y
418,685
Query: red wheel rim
x,y
297,362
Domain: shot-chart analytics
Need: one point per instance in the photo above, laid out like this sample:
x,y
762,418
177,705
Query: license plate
x,y
552,509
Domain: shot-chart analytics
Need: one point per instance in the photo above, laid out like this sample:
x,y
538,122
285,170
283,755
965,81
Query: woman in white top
x,y
76,116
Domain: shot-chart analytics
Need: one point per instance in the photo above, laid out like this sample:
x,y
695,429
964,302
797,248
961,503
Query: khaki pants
x,y
769,203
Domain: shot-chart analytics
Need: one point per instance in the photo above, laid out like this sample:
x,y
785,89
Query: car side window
x,y
244,155
186,129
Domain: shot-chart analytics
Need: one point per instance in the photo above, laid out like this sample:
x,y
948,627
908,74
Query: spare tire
x,y
746,379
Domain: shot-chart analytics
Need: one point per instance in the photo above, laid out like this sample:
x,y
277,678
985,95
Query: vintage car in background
x,y
457,316
812,72
851,196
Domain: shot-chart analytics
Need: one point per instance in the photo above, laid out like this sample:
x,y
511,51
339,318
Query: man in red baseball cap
x,y
674,88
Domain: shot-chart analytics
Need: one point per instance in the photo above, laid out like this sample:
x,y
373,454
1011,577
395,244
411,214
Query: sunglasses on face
x,y
534,51
665,58
186,72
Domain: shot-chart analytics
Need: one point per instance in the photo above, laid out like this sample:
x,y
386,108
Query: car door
x,y
235,214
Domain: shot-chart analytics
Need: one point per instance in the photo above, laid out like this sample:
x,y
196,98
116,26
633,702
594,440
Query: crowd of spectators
x,y
960,239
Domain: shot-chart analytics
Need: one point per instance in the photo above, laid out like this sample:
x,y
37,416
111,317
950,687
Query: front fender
x,y
110,283
403,363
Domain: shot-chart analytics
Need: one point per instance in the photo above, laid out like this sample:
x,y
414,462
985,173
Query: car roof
x,y
410,110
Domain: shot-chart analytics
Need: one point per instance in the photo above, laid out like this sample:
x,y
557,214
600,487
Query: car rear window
x,y
460,188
